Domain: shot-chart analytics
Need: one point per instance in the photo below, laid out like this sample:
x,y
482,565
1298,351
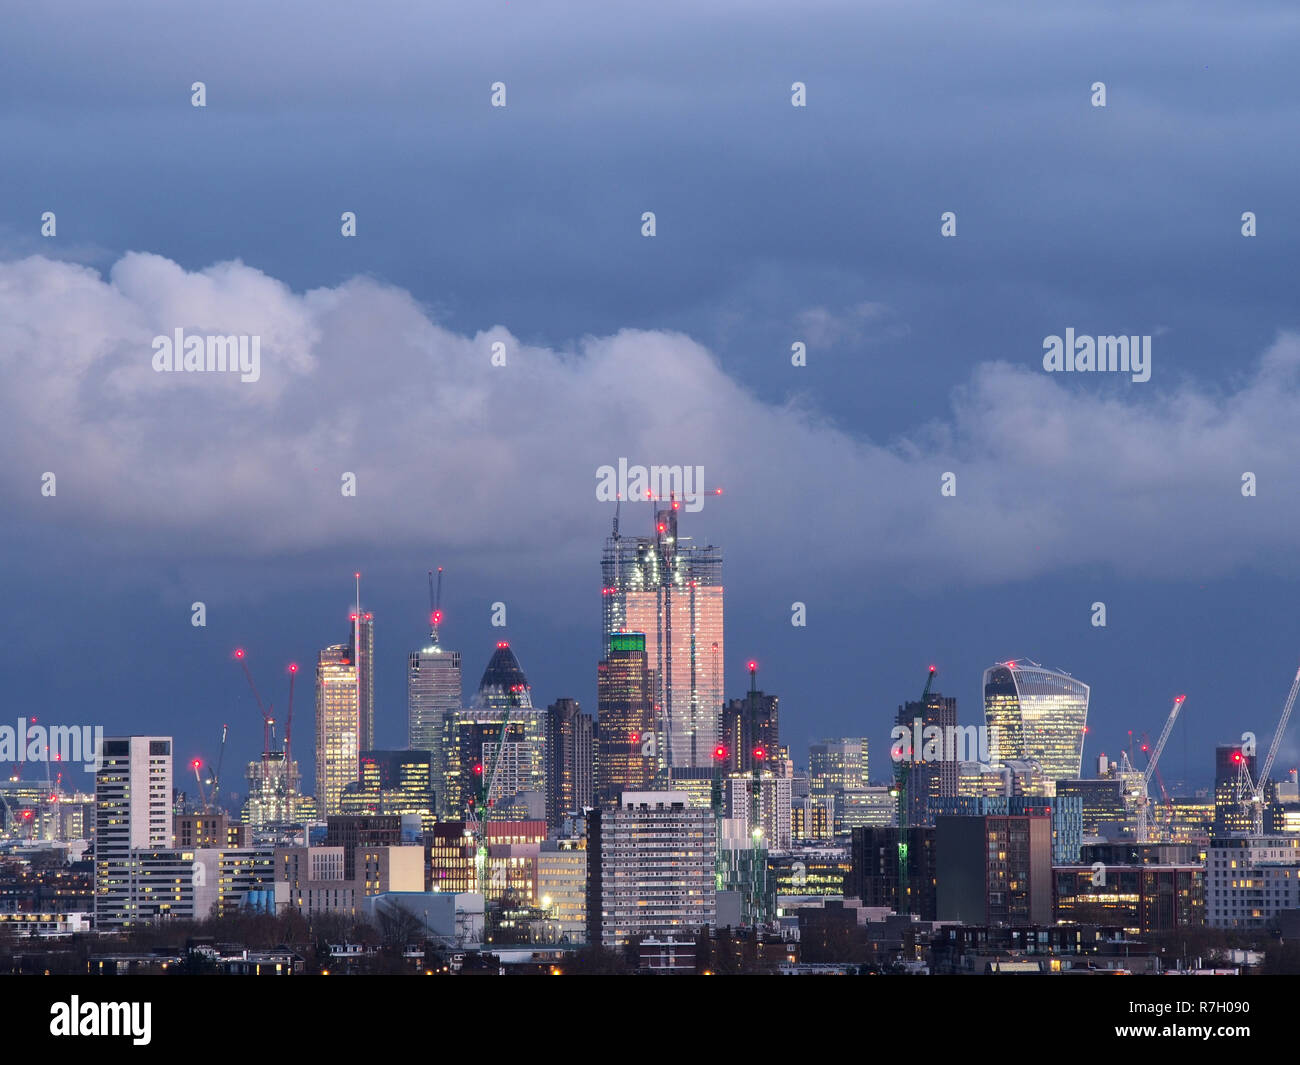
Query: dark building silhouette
x,y
503,685
748,724
931,772
994,870
570,750
874,875
626,745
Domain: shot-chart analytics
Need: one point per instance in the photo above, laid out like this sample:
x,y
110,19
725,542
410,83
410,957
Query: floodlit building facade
x,y
651,868
433,690
345,711
133,820
626,757
671,590
1036,714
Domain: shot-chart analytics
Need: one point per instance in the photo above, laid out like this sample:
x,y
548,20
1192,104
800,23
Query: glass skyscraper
x,y
1036,714
625,687
671,590
501,735
433,690
345,711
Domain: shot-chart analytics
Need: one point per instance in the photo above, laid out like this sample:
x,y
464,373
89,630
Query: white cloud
x,y
1052,473
822,327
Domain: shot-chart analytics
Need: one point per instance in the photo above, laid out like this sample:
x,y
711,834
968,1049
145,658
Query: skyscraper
x,y
273,790
501,737
626,758
363,648
338,746
671,591
746,728
1036,714
133,813
571,752
345,708
836,766
929,777
393,782
1230,813
433,690
503,685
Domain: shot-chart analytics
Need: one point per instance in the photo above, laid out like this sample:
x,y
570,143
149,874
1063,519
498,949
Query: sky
x,y
774,225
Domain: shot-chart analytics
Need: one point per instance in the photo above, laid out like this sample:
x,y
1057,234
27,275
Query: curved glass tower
x,y
1036,714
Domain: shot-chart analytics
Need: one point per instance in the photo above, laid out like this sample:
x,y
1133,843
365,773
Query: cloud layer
x,y
1052,472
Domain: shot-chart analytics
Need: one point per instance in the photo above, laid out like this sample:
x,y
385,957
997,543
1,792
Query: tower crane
x,y
268,722
435,607
720,755
757,863
1145,746
1144,799
1250,792
288,725
196,765
277,775
216,776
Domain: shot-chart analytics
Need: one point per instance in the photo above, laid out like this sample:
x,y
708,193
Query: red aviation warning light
x,y
501,644
195,765
759,753
719,752
753,666
663,527
239,652
293,667
1236,756
634,737
478,769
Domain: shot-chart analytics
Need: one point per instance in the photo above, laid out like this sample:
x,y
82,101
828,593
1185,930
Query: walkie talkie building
x,y
1036,714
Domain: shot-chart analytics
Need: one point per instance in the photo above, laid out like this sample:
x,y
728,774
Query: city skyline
x,y
877,726
777,226
710,487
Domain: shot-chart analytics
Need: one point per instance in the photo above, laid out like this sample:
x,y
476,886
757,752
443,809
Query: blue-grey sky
x,y
775,224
